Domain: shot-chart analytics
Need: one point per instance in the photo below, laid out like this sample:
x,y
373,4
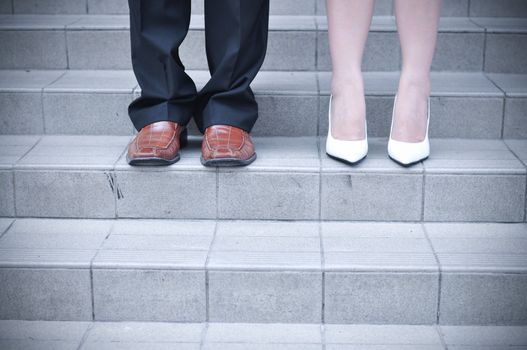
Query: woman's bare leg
x,y
348,25
417,22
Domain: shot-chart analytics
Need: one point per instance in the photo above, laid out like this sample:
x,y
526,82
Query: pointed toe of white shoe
x,y
409,153
350,152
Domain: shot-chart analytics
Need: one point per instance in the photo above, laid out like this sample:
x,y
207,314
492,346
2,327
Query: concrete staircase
x,y
294,238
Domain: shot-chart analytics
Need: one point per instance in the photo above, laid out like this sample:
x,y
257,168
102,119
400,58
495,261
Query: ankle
x,y
410,118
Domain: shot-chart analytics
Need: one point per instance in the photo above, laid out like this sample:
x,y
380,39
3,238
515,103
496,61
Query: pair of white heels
x,y
352,152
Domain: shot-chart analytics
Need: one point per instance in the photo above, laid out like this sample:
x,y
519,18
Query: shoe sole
x,y
156,161
152,161
409,164
347,162
227,162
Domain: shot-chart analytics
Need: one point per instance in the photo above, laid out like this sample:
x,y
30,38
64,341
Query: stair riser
x,y
287,50
261,296
515,126
92,113
287,195
476,8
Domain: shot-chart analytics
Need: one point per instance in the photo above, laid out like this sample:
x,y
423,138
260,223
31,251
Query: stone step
x,y
463,105
275,336
451,8
263,272
293,179
295,43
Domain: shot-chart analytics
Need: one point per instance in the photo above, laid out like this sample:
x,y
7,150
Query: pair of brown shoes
x,y
159,144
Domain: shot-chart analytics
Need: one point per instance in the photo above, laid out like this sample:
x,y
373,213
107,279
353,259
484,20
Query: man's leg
x,y
157,29
236,41
168,95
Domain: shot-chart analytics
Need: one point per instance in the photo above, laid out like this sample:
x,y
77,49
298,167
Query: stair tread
x,y
339,246
514,85
267,82
276,23
161,335
297,154
502,25
519,147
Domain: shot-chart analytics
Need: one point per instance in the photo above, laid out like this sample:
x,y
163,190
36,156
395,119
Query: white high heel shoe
x,y
350,152
409,153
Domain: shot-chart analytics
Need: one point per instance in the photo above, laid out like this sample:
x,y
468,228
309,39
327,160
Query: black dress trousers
x,y
236,42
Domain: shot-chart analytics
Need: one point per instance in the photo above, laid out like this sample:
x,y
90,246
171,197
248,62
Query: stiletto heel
x,y
349,152
409,153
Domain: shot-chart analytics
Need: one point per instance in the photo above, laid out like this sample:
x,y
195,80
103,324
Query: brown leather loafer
x,y
225,146
157,144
